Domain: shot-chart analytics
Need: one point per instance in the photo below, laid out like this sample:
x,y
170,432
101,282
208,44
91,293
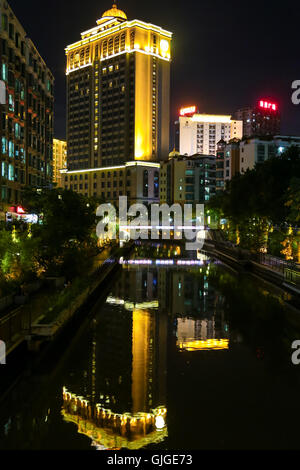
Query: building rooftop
x,y
114,12
197,156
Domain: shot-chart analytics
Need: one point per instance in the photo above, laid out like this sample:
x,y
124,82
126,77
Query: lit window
x,y
4,146
11,172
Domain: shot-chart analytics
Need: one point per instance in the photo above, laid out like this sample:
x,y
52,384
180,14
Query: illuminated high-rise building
x,y
263,119
26,112
59,160
118,91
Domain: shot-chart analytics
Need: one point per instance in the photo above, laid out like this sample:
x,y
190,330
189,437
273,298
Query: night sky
x,y
226,54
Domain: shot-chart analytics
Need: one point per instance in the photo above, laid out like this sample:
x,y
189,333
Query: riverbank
x,y
42,317
244,262
46,340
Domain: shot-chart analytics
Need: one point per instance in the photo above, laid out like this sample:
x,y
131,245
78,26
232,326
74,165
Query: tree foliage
x,y
258,200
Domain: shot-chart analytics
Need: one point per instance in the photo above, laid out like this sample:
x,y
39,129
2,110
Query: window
x,y
117,44
260,153
82,57
4,22
4,146
4,72
146,183
11,103
4,170
156,184
11,31
110,46
11,172
123,41
17,130
11,149
132,39
104,49
87,55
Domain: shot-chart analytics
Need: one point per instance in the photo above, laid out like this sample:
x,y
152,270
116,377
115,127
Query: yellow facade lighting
x,y
205,345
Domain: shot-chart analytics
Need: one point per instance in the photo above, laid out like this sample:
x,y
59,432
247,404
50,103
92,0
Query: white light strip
x,y
149,164
210,118
111,168
92,170
136,50
78,68
150,27
96,29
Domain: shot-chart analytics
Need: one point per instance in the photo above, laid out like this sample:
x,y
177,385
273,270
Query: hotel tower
x,y
118,92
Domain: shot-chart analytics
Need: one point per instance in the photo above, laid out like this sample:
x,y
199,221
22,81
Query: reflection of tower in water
x,y
128,366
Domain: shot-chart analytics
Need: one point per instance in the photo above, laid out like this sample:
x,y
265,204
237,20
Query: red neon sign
x,y
188,111
267,105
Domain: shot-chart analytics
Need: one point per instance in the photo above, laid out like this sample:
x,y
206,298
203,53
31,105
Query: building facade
x,y
258,150
139,181
26,112
118,93
227,162
263,119
59,160
200,133
188,180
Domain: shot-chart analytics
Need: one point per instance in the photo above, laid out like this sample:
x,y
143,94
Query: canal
x,y
180,353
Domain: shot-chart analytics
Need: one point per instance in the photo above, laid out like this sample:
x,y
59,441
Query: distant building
x,y
139,181
263,119
227,162
200,133
59,160
187,180
260,149
26,112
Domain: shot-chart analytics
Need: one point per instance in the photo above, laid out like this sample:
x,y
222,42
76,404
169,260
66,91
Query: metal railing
x,y
292,277
14,326
276,264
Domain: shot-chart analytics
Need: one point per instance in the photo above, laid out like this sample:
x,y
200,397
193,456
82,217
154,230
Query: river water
x,y
179,353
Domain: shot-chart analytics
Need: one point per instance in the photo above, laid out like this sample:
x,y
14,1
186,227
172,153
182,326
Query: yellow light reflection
x,y
112,430
205,345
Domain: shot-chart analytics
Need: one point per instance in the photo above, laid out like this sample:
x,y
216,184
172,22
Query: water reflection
x,y
157,348
126,406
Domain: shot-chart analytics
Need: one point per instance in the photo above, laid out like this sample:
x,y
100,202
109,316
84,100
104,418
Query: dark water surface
x,y
177,357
